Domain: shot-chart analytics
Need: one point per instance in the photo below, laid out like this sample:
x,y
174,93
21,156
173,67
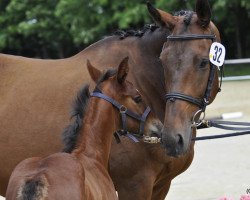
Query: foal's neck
x,y
96,135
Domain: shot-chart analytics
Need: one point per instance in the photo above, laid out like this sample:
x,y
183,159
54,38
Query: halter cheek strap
x,y
124,112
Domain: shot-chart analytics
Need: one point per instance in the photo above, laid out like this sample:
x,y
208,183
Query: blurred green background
x,y
61,28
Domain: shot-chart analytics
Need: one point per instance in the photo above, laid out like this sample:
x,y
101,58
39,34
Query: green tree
x,y
32,28
89,20
232,18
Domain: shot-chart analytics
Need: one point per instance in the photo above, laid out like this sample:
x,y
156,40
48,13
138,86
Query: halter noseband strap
x,y
124,112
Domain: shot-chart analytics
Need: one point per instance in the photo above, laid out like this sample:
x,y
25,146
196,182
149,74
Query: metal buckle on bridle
x,y
123,109
200,120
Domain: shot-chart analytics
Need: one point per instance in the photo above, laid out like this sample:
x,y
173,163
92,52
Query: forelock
x,y
187,16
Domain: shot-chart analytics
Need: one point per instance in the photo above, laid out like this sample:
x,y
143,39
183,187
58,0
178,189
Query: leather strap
x,y
210,137
143,119
191,37
224,125
124,112
176,95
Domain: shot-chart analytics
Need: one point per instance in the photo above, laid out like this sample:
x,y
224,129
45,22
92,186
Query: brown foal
x,y
83,173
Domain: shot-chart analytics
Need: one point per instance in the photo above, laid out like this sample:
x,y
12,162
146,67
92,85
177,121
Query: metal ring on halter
x,y
123,109
200,119
206,101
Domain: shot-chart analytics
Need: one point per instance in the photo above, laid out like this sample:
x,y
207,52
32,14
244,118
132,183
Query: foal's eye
x,y
204,63
137,99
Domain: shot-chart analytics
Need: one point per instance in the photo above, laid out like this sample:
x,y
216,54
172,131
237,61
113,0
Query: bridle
x,y
124,113
200,102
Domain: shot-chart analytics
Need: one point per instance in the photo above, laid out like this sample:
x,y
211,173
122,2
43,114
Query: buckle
x,y
200,120
123,109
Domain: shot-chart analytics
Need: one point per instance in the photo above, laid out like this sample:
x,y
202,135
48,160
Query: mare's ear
x,y
94,73
203,12
122,71
160,17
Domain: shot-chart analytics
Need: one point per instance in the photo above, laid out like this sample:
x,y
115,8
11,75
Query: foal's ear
x,y
94,73
122,71
203,12
160,17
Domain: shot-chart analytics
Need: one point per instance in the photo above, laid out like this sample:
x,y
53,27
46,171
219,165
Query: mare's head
x,y
185,58
129,102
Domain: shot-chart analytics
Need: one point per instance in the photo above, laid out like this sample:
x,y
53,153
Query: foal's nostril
x,y
179,140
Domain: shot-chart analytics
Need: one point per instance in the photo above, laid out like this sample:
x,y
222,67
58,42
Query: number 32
x,y
217,54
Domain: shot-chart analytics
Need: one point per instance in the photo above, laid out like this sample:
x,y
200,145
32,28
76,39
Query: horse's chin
x,y
171,149
173,152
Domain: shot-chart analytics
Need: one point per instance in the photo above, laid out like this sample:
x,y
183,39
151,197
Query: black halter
x,y
124,112
201,103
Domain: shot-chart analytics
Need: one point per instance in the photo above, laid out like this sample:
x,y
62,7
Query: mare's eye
x,y
137,99
204,63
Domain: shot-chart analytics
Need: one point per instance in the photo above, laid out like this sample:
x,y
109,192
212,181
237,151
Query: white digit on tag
x,y
217,54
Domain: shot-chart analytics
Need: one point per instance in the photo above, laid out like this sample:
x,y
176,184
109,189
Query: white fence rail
x,y
235,62
238,61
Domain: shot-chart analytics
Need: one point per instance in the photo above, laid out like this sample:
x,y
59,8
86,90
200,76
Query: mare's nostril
x,y
179,140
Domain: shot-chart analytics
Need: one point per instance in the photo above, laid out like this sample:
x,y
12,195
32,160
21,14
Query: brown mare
x,y
187,71
32,110
83,174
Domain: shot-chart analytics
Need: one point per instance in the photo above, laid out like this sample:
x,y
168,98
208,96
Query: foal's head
x,y
113,84
187,70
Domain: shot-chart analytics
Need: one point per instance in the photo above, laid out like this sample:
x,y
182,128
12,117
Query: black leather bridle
x,y
201,102
124,113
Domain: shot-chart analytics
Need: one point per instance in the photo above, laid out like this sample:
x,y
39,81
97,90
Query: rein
x,y
227,125
124,113
202,102
210,137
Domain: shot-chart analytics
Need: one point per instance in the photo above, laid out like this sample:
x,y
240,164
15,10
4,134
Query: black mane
x,y
72,131
152,27
187,15
136,33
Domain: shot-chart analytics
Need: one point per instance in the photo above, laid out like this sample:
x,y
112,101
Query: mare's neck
x,y
96,135
148,72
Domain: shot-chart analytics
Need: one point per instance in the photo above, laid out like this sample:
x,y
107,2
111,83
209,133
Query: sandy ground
x,y
220,167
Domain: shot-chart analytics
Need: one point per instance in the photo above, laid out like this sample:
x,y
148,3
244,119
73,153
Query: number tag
x,y
217,54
